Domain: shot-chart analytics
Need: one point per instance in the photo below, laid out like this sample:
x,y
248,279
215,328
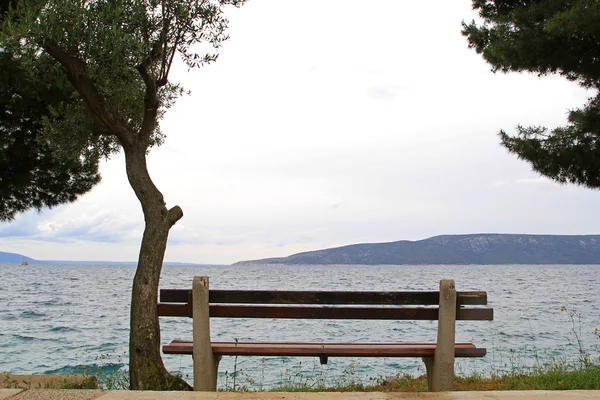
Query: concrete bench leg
x,y
428,361
205,362
440,368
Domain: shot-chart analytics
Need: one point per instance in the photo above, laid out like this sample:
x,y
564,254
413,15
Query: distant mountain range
x,y
13,258
457,249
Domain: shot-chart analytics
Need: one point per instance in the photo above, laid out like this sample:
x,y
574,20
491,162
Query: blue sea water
x,y
54,318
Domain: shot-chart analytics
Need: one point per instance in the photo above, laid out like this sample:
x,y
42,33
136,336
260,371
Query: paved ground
x,y
55,394
49,394
6,393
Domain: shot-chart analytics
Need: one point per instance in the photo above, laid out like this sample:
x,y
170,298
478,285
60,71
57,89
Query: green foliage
x,y
569,154
548,37
36,172
8,381
120,42
542,36
114,380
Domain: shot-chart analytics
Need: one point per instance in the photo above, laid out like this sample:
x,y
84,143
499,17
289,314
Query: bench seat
x,y
445,306
293,349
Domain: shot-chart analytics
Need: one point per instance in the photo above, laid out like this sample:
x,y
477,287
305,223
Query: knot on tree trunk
x,y
174,215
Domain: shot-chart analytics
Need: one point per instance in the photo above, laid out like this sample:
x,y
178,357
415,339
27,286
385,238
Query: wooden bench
x,y
445,306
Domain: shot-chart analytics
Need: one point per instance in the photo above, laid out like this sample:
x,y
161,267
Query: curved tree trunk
x,y
146,368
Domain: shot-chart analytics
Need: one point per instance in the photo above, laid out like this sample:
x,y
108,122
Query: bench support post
x,y
440,368
205,363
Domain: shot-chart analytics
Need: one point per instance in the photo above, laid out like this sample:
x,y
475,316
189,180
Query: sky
x,y
327,123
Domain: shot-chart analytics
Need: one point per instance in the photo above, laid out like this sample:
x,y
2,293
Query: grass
x,y
549,373
555,378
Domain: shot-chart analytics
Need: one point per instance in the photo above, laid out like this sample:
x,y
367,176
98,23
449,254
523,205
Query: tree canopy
x,y
117,57
35,173
548,37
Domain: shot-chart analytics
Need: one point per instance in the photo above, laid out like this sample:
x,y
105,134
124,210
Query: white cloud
x,y
329,123
386,92
58,225
99,226
531,180
539,180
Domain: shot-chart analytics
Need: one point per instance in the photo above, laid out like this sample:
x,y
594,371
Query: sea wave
x,y
25,338
33,314
63,329
94,369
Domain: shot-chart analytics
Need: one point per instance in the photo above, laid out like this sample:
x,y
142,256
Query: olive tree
x,y
117,55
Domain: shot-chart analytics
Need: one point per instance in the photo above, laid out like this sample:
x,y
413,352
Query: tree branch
x,y
77,75
151,96
164,78
163,36
174,215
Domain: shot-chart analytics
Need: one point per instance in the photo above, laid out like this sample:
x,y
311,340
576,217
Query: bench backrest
x,y
446,306
409,305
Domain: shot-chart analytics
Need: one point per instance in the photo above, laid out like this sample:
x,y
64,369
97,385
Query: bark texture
x,y
146,368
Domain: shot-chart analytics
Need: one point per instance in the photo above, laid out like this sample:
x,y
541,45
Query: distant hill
x,y
457,249
119,263
13,258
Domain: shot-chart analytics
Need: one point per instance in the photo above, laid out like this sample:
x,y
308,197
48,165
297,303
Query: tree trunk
x,y
146,368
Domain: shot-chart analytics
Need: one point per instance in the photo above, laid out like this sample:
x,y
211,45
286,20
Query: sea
x,y
62,319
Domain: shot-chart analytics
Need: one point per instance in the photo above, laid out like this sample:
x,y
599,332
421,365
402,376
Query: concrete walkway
x,y
51,394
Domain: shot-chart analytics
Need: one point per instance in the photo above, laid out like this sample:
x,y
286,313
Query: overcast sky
x,y
326,123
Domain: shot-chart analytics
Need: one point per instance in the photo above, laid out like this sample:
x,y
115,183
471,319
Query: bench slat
x,y
314,312
323,297
173,310
460,344
325,349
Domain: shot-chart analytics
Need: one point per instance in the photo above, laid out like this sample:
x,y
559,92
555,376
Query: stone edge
x,y
6,393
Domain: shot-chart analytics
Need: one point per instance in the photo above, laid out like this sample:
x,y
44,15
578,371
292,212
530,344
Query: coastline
x,y
40,394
